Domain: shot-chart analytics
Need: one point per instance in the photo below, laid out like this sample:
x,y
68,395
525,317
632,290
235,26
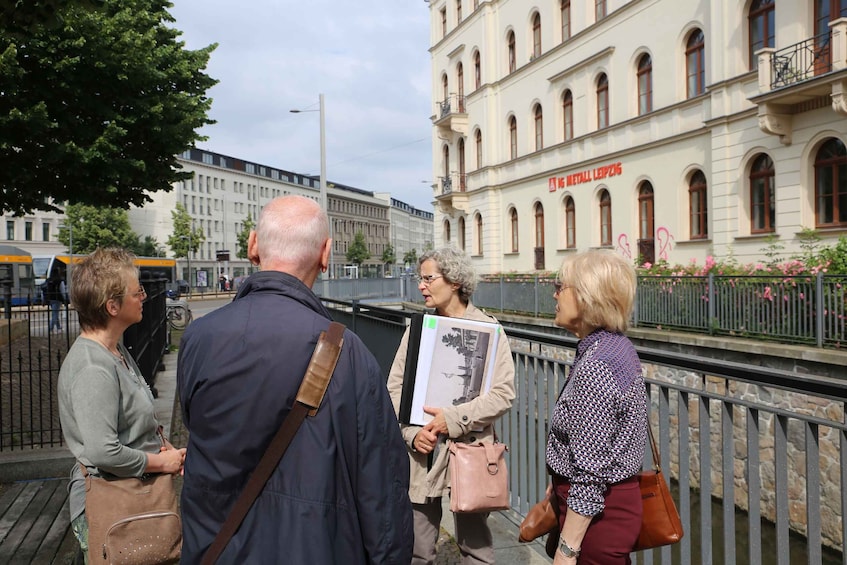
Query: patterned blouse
x,y
598,433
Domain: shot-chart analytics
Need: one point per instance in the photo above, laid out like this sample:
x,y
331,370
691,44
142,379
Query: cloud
x,y
369,58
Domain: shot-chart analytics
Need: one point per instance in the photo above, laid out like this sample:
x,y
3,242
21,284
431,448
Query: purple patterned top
x,y
598,432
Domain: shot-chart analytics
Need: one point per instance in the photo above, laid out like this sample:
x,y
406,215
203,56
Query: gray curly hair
x,y
455,265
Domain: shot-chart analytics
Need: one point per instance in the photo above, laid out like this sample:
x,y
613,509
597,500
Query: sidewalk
x,y
504,525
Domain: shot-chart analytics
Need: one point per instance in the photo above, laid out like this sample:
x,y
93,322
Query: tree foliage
x,y
243,236
358,252
410,257
95,109
185,237
86,228
388,255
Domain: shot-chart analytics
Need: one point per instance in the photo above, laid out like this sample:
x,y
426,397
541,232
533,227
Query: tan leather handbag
x,y
660,523
479,480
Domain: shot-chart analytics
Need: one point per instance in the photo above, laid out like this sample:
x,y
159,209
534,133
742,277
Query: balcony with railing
x,y
450,192
451,114
807,75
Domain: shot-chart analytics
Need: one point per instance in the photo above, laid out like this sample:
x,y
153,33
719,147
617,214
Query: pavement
x,y
504,525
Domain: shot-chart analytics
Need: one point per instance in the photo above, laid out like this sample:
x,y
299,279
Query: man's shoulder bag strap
x,y
308,400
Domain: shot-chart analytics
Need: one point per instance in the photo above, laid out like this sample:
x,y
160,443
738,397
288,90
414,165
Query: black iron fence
x,y
31,354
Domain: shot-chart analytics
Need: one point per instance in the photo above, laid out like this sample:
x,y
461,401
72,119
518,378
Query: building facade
x,y
411,234
665,130
221,195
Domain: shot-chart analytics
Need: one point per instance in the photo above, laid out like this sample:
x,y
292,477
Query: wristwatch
x,y
567,550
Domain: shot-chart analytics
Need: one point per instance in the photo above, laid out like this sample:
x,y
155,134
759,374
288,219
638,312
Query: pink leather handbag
x,y
479,480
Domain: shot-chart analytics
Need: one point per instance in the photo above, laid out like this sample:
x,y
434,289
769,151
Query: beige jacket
x,y
480,412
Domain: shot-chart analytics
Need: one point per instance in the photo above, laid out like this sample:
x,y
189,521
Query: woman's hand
x,y
560,559
425,441
168,460
438,424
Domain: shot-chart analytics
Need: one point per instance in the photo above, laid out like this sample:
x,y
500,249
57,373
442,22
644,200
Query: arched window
x,y
536,35
539,128
444,91
446,183
599,9
602,101
460,82
605,218
567,114
831,184
570,223
697,206
513,138
458,11
762,195
510,41
825,12
478,149
479,234
461,149
645,211
539,225
477,71
513,220
462,233
645,84
695,68
565,9
760,20
447,231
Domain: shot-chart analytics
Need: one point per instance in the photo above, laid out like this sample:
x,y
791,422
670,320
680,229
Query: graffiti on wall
x,y
665,240
623,246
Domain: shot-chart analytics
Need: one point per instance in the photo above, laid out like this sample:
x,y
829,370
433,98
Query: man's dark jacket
x,y
340,493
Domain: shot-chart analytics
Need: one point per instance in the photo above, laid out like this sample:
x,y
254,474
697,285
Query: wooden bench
x,y
35,523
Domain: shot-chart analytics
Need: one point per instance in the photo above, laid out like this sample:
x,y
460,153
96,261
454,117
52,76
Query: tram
x,y
16,270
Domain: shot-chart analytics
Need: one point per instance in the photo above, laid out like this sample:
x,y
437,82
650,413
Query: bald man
x,y
340,493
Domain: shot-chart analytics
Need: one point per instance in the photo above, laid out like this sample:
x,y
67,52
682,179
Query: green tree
x,y
95,109
20,16
410,257
92,227
357,253
243,236
183,234
148,247
388,255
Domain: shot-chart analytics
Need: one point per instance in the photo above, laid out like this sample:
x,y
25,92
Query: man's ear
x,y
327,249
253,248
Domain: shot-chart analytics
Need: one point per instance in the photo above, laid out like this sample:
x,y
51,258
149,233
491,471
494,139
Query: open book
x,y
450,361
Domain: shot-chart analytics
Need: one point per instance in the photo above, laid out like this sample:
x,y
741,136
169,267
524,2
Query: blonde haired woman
x,y
598,431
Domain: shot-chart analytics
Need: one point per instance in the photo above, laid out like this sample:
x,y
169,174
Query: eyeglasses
x,y
427,279
142,293
558,287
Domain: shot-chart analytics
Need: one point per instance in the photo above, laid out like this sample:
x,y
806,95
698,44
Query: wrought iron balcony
x,y
451,114
802,61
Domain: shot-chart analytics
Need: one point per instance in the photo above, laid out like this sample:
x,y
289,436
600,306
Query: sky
x,y
369,58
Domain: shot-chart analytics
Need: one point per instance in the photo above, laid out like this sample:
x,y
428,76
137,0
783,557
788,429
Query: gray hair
x,y
292,229
455,265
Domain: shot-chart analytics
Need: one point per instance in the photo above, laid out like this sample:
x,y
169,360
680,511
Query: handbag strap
x,y
657,463
308,400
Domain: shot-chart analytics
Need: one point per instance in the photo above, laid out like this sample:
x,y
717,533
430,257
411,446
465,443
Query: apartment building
x,y
664,130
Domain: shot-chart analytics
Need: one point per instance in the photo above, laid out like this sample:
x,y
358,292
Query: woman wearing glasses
x,y
447,281
105,406
598,431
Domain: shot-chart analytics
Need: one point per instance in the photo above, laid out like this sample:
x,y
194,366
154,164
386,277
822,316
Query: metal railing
x,y
453,104
772,462
802,61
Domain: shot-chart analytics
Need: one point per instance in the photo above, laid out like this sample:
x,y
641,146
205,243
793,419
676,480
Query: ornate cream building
x,y
663,129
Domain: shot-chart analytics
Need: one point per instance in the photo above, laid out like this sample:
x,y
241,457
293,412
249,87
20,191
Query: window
x,y
513,138
831,184
762,196
513,215
698,211
462,234
760,19
605,218
207,158
510,41
645,84
570,223
458,11
28,231
539,225
45,232
447,231
477,71
478,149
645,211
599,9
602,101
567,113
479,234
475,4
536,35
460,80
694,64
565,9
539,128
10,229
445,93
443,21
461,149
445,156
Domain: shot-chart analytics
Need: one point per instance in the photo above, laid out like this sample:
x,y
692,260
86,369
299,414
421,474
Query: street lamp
x,y
324,200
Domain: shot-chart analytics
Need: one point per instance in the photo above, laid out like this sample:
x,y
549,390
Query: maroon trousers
x,y
612,533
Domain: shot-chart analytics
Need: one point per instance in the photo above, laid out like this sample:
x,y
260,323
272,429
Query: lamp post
x,y
324,198
188,255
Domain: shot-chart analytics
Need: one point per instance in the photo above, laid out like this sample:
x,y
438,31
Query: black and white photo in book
x,y
455,361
